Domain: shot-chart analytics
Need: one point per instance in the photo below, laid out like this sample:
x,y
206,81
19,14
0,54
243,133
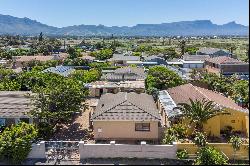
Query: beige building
x,y
126,116
237,117
96,89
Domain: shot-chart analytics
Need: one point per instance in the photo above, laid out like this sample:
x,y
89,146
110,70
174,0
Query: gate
x,y
62,150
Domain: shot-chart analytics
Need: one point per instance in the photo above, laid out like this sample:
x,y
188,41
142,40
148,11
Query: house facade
x,y
237,117
226,66
14,107
126,116
96,89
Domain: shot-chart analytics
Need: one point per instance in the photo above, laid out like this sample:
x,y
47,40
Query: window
x,y
232,121
26,120
142,127
2,122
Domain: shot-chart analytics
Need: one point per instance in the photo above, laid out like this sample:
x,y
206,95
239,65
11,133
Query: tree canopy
x,y
160,77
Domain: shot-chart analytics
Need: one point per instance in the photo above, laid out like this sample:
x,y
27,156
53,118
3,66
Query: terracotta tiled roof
x,y
209,51
126,106
224,60
182,94
40,57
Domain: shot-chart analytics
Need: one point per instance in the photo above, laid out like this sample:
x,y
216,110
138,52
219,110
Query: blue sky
x,y
62,13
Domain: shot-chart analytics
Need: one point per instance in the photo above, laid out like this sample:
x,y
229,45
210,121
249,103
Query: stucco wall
x,y
123,130
126,151
38,151
224,147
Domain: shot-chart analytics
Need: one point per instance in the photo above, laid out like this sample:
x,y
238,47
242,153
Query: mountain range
x,y
25,26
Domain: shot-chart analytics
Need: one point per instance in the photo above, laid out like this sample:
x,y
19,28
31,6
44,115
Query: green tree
x,y
40,37
104,54
86,76
198,112
72,53
182,46
15,142
59,100
210,156
160,77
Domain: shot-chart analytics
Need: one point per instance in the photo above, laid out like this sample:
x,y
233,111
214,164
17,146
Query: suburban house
x,y
189,63
126,117
213,52
21,61
14,107
124,74
122,59
238,118
226,66
154,58
96,89
187,57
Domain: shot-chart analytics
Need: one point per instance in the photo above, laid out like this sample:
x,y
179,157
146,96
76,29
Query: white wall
x,y
38,151
113,150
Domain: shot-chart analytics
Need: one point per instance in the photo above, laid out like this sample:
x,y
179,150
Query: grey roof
x,y
125,73
123,57
152,57
126,106
195,57
61,70
14,104
209,51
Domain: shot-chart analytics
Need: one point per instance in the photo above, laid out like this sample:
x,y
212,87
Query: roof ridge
x,y
222,104
100,113
144,110
201,92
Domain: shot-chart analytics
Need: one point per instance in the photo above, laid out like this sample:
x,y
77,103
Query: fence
x,y
143,150
113,150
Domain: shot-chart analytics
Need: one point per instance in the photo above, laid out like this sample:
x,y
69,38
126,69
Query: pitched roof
x,y
182,94
224,60
14,104
126,106
122,57
210,51
125,73
40,58
195,57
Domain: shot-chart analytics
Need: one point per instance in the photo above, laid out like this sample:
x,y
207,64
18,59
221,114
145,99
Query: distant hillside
x,y
26,26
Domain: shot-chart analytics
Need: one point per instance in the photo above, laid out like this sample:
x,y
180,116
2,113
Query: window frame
x,y
142,128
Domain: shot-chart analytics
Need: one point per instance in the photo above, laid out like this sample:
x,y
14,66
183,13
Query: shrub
x,y
210,156
15,142
182,154
200,139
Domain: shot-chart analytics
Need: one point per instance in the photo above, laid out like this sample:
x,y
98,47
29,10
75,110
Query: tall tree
x,y
182,46
40,39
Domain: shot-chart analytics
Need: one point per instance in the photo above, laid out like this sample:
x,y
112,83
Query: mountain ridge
x,y
26,26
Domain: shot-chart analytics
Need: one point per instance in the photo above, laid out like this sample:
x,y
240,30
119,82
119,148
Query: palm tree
x,y
198,112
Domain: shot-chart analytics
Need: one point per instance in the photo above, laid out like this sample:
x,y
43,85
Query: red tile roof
x,y
224,60
182,94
